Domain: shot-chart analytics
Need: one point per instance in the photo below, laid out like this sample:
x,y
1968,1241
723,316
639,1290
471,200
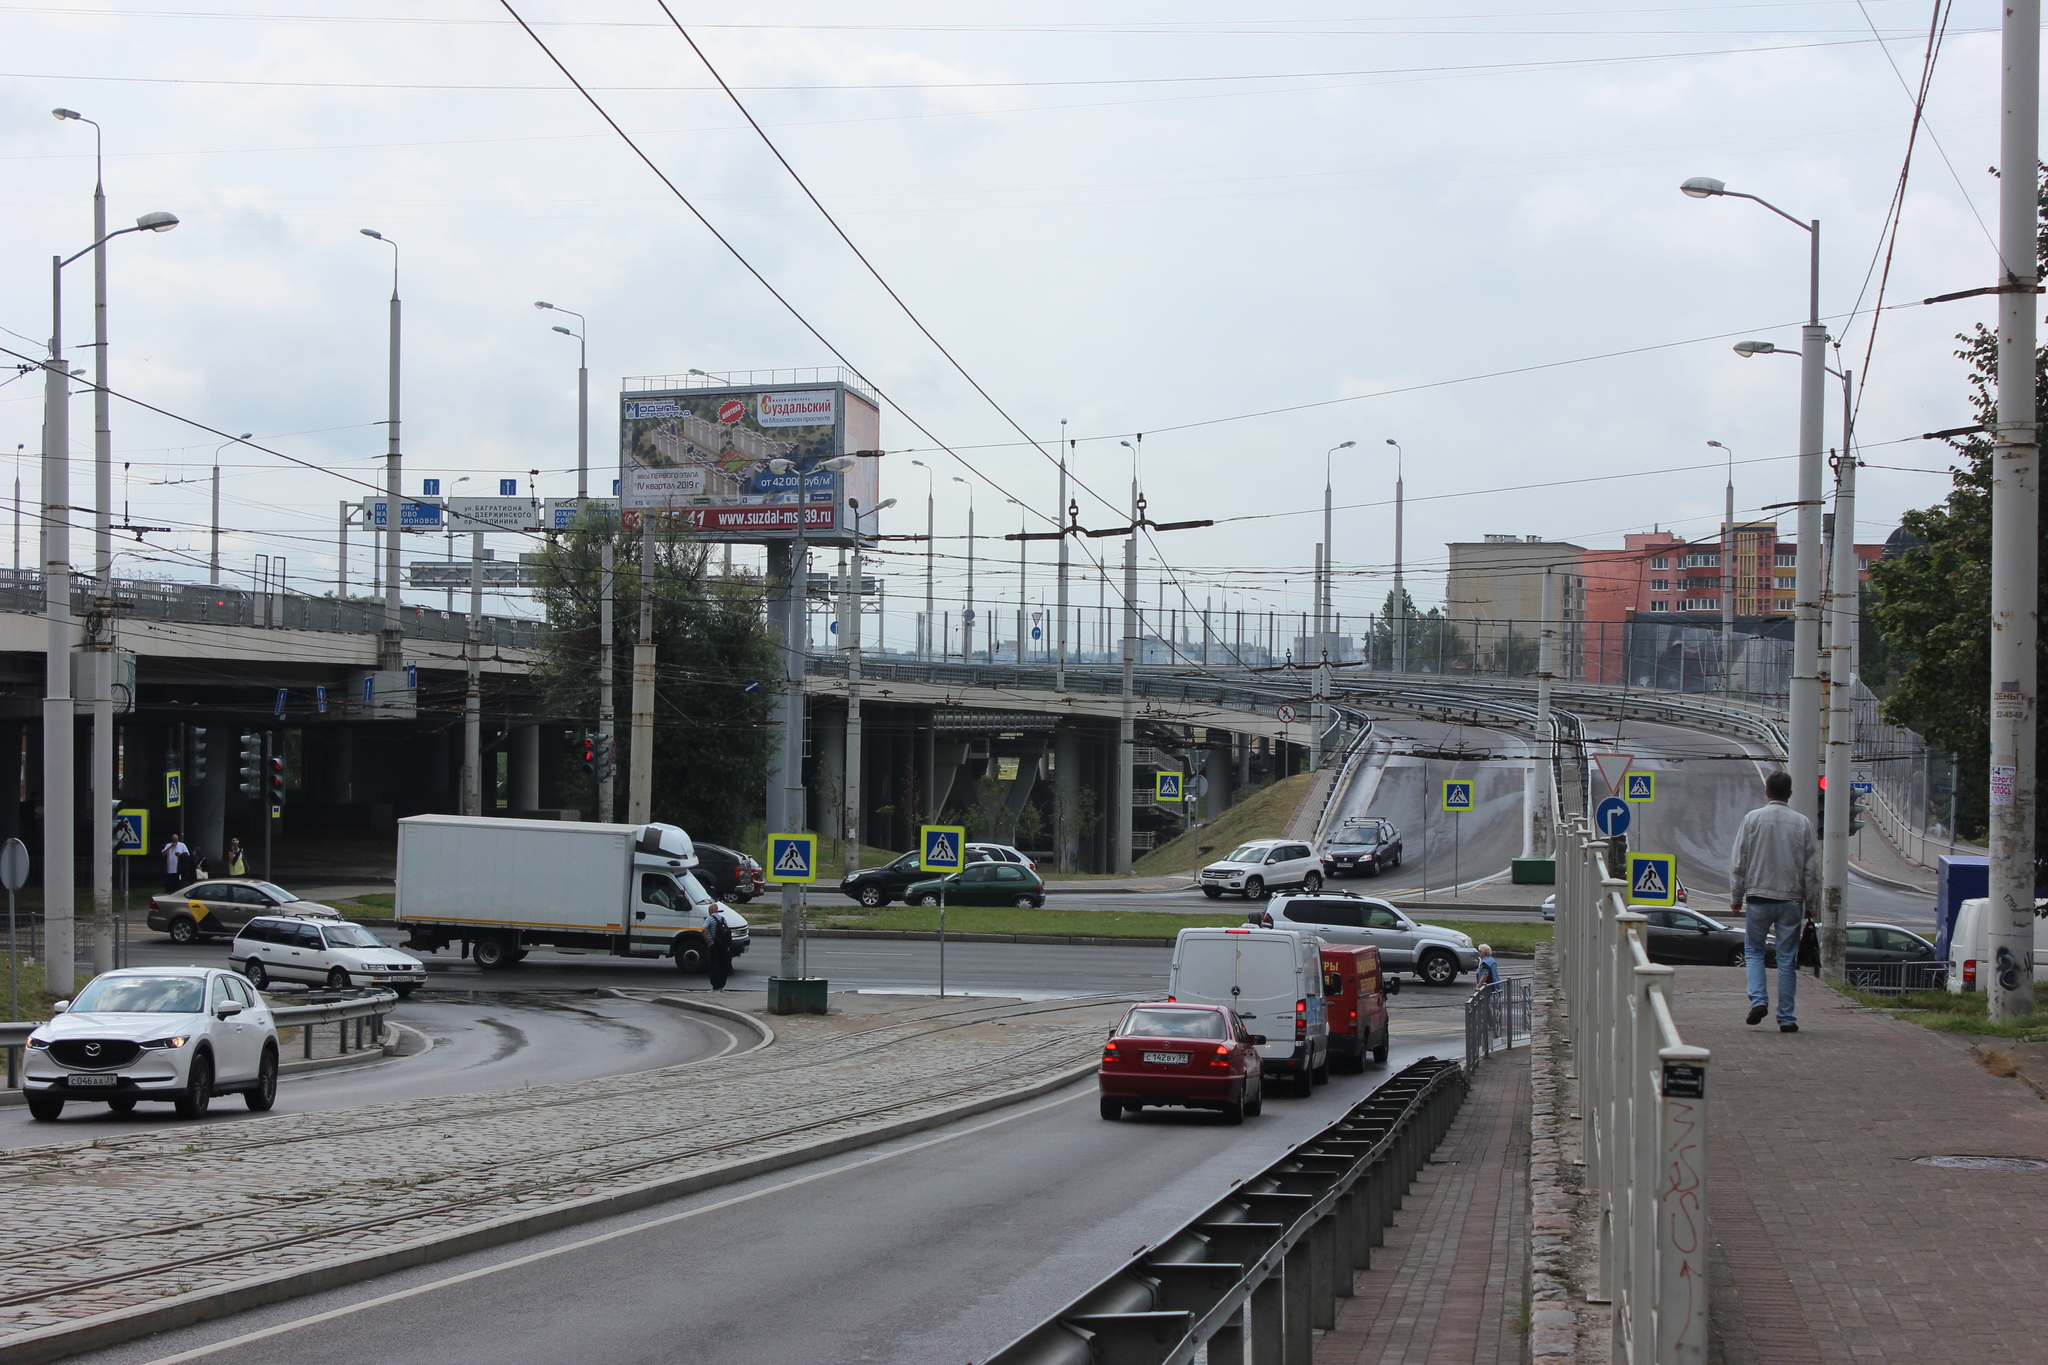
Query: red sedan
x,y
1184,1056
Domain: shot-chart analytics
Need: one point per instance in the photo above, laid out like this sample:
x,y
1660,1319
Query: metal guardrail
x,y
1490,1017
1347,769
1643,1097
1896,978
1255,1274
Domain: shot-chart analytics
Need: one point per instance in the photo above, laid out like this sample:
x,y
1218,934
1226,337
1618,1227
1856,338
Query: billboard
x,y
704,454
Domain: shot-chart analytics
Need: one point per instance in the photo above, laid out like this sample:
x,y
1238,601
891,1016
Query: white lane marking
x,y
200,1352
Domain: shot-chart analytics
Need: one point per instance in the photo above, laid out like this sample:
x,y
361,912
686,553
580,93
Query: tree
x,y
1932,604
1434,642
712,738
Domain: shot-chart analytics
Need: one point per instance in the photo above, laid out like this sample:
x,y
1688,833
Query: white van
x,y
1273,978
1969,948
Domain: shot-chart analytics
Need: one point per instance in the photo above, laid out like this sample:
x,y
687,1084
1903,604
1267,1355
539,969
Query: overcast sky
x,y
1460,218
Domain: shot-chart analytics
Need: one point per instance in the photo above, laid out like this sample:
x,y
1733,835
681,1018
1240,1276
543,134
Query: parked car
x,y
288,948
1362,847
1687,936
177,1035
1257,869
1001,853
1435,954
728,874
224,905
1183,1056
1355,1001
1876,946
1550,903
1271,978
981,884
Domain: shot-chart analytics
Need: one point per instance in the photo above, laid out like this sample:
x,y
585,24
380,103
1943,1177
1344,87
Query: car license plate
x,y
1169,1058
93,1080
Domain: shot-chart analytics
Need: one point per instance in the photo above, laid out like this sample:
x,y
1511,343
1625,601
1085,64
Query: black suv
x,y
1364,847
877,886
728,874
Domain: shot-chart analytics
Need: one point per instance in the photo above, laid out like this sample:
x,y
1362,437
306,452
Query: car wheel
x,y
1439,969
43,1106
258,974
872,897
1213,893
122,1104
928,899
1233,1113
1112,1109
405,992
1312,882
1739,958
184,931
1025,902
265,1092
337,979
1304,1084
198,1092
1255,1099
1379,1054
689,955
491,952
1255,888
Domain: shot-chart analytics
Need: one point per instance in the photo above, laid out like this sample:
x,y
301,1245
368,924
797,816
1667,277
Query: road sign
x,y
1611,817
1652,879
282,697
14,865
430,487
174,788
131,832
941,848
1639,787
1862,787
1612,766
1166,786
1458,794
320,700
1285,713
504,513
968,616
1037,633
791,858
751,685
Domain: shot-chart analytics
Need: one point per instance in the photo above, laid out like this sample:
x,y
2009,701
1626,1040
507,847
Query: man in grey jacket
x,y
1777,875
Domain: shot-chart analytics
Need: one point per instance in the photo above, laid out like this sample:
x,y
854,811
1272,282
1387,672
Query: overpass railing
x,y
1643,1101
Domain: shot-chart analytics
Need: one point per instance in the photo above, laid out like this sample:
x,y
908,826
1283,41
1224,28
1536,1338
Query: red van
x,y
1355,1001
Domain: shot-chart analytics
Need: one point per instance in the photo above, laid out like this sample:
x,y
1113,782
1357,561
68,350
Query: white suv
x,y
295,948
1257,869
1432,952
176,1034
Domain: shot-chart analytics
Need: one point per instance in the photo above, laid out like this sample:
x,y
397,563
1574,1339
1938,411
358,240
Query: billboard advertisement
x,y
705,453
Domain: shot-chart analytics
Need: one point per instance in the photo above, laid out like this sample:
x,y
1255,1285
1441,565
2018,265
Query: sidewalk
x,y
1832,1243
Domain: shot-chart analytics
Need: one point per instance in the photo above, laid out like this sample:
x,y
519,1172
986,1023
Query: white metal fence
x,y
1643,1102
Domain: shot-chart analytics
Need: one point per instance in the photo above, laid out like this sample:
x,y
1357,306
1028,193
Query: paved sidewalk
x,y
1449,1286
1832,1243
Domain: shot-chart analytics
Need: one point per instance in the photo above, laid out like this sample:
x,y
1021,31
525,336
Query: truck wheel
x,y
1439,968
1379,1054
492,952
689,954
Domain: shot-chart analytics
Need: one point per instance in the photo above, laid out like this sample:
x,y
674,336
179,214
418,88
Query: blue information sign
x,y
1612,816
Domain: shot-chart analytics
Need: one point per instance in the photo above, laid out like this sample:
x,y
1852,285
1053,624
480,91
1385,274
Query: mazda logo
x,y
92,1049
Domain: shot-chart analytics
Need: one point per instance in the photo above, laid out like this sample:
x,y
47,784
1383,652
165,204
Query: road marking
x,y
264,1334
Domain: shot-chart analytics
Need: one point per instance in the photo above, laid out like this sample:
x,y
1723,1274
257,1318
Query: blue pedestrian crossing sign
x,y
174,788
131,832
1458,794
941,848
1639,787
791,858
1652,879
1612,816
1166,787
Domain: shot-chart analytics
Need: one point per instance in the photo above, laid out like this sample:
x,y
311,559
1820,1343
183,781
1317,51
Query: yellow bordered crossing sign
x,y
941,848
1652,879
131,832
791,858
1166,787
1457,793
1639,787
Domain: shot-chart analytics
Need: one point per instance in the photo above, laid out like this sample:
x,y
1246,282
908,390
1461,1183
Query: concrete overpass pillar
x,y
206,821
525,768
827,789
1066,795
1216,766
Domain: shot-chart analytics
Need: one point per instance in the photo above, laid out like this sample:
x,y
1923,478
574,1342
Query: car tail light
x,y
1300,1020
1109,1051
1969,973
1222,1057
1170,1000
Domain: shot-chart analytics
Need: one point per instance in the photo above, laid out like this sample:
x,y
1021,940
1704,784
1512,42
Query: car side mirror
x,y
60,1007
1393,985
1258,1040
227,1010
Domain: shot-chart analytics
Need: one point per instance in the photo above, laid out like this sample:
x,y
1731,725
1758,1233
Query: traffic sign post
x,y
942,849
792,860
1611,817
1166,787
1457,800
1653,879
13,872
131,840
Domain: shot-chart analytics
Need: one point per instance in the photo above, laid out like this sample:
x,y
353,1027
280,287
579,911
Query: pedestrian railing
x,y
1896,978
1492,1014
1254,1276
1643,1107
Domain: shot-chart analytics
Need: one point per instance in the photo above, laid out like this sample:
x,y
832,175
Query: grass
x,y
35,1001
1505,936
1947,1012
374,905
1263,815
997,920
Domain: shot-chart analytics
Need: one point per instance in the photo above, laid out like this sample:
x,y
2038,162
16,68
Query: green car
x,y
982,884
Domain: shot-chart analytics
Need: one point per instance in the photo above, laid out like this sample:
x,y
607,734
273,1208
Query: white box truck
x,y
500,887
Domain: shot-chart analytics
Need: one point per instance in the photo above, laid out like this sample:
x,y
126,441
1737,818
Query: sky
x,y
1249,235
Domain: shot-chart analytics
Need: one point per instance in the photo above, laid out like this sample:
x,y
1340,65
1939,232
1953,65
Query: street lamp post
x,y
582,397
1804,701
1400,596
1727,573
1325,602
1022,605
849,642
1127,720
930,542
967,613
213,555
1059,517
391,650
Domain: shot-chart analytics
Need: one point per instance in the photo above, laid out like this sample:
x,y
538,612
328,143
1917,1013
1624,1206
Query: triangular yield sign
x,y
1612,766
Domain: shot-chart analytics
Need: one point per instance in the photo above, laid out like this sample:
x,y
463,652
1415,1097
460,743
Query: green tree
x,y
712,738
1433,640
1932,604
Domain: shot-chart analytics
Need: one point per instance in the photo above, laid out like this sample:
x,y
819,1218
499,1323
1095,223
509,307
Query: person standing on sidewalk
x,y
1489,970
1776,876
175,853
717,949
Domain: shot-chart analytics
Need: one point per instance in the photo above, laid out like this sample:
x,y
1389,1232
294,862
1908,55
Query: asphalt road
x,y
1442,850
937,1248
500,1041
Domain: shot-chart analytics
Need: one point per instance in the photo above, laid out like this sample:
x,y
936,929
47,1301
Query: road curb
x,y
931,936
764,1035
185,1310
1893,883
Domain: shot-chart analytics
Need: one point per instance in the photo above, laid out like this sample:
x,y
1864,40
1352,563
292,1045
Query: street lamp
x,y
930,543
582,398
1804,701
1325,610
213,559
967,612
1728,561
1400,595
391,651
1022,546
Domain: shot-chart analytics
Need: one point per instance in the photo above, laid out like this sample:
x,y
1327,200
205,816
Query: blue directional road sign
x,y
791,858
1639,787
941,848
1652,879
1865,787
1612,816
131,832
1457,794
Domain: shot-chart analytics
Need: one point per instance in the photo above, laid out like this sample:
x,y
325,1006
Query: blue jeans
x,y
1760,917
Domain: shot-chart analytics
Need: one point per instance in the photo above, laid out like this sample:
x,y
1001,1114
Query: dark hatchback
x,y
982,884
875,887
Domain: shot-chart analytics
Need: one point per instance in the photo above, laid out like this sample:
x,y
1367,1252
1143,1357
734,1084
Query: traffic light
x,y
198,733
607,757
252,766
1820,812
274,770
590,754
1855,811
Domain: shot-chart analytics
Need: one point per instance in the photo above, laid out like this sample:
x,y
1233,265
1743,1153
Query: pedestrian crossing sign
x,y
1166,787
1639,787
1652,879
1458,794
791,858
941,848
131,832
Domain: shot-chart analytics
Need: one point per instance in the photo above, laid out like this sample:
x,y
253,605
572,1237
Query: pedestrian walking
x,y
1489,970
1777,876
717,949
238,866
175,856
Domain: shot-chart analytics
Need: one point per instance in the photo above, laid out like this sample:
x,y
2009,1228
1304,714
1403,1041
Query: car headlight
x,y
38,1043
166,1042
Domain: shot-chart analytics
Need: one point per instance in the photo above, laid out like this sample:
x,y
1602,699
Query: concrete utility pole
x,y
607,804
795,812
1127,728
1320,644
2015,526
473,699
967,613
931,541
1538,838
640,782
1400,593
391,650
102,655
1843,598
59,876
1059,516
1728,573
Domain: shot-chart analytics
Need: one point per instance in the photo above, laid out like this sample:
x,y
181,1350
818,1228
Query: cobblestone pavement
x,y
1833,1244
96,1227
1449,1285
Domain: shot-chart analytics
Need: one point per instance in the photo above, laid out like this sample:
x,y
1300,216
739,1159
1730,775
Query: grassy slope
x,y
1263,815
35,1001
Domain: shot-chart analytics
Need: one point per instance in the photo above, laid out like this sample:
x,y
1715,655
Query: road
x,y
1442,850
937,1248
498,1041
